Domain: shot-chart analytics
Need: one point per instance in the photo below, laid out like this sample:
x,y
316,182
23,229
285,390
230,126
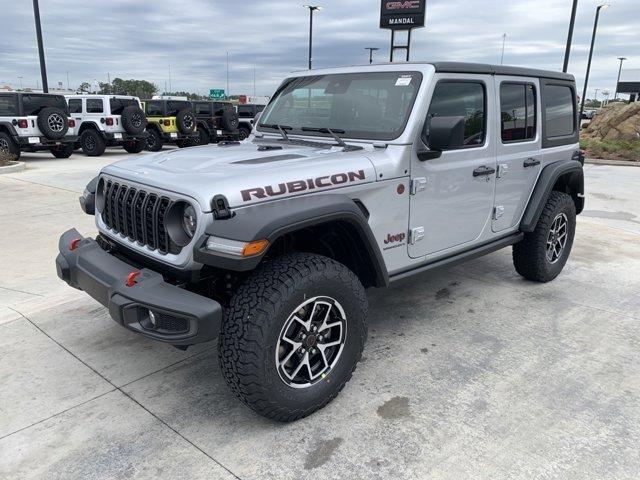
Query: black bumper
x,y
125,137
180,317
45,142
180,136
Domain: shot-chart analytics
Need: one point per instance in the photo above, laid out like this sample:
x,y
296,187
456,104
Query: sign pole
x,y
402,15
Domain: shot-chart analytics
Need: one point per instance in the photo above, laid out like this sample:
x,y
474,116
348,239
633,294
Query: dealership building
x,y
630,83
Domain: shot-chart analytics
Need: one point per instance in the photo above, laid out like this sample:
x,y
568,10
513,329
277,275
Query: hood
x,y
246,173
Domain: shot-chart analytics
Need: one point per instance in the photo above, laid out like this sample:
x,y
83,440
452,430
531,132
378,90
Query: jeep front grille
x,y
138,215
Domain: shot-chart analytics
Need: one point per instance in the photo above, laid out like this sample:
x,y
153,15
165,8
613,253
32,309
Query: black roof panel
x,y
481,68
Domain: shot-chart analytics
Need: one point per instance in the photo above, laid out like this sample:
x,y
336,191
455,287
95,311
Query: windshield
x,y
119,104
370,106
33,104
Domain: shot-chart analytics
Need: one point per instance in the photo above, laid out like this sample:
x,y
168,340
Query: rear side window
x,y
8,105
203,109
173,107
518,112
75,105
560,111
246,111
461,99
33,104
154,109
95,105
117,105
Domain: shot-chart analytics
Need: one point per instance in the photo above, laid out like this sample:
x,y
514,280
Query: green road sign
x,y
216,94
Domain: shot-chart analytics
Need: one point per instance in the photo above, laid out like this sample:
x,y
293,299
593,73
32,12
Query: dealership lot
x,y
470,372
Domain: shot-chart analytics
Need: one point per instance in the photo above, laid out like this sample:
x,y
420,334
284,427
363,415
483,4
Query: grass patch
x,y
612,149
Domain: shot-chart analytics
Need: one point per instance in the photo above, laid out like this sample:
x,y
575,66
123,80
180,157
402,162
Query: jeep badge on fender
x,y
267,245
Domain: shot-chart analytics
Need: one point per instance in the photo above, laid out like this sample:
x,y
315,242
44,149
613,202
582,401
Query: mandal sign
x,y
216,94
402,14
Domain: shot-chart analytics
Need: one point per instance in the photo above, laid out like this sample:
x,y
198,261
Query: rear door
x,y
518,148
452,195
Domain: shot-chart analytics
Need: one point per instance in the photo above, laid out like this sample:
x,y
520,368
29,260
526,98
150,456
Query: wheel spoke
x,y
305,324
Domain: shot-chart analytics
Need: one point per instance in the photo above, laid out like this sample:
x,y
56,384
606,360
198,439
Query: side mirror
x,y
445,133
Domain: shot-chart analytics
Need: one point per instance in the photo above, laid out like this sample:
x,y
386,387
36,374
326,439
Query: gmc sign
x,y
402,14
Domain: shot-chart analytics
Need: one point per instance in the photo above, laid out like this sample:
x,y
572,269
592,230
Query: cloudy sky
x,y
92,39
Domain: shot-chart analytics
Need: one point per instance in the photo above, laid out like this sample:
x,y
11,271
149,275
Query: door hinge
x,y
418,184
415,235
503,169
498,212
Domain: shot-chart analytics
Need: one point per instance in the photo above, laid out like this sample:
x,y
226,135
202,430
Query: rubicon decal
x,y
298,186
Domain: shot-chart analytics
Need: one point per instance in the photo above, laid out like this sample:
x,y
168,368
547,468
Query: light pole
x,y
43,67
227,90
622,59
371,50
596,98
572,23
504,42
312,8
20,78
593,41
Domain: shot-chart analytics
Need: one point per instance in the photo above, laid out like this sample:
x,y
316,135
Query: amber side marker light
x,y
255,248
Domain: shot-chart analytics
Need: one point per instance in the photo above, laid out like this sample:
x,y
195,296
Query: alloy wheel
x,y
557,239
55,122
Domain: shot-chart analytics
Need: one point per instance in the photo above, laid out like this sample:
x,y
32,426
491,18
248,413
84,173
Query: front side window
x,y
461,99
32,104
560,111
154,109
370,106
117,105
8,105
95,105
75,105
518,112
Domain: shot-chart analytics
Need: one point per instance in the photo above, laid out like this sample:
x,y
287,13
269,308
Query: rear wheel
x,y
92,143
203,137
542,254
243,133
154,140
134,146
293,335
9,147
63,151
184,143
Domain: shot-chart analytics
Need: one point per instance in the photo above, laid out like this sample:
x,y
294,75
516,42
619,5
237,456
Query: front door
x,y
518,148
452,196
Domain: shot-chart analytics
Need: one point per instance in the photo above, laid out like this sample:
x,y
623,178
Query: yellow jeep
x,y
170,121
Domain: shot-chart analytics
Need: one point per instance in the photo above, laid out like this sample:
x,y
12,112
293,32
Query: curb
x,y
615,163
13,167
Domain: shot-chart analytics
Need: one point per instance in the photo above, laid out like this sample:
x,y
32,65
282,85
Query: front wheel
x,y
293,335
134,146
542,254
93,143
243,133
63,151
154,141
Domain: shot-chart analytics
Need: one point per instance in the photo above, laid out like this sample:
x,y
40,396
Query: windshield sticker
x,y
404,81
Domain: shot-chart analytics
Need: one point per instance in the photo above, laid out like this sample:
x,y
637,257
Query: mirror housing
x,y
445,133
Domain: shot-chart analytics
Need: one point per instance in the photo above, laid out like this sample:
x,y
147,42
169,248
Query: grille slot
x,y
138,215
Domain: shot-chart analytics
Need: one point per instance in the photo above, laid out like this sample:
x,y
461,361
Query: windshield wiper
x,y
280,128
334,133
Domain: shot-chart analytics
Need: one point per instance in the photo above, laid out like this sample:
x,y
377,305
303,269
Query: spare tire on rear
x,y
186,121
53,123
229,120
133,120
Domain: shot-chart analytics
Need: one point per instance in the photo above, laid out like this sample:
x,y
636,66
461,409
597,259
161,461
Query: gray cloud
x,y
140,39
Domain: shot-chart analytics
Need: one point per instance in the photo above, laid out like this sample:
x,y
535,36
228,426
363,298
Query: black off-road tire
x,y
252,325
530,255
9,147
63,151
154,140
93,143
53,123
185,143
134,146
243,133
186,121
203,137
133,120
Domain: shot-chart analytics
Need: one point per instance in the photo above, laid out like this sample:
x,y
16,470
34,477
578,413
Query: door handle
x,y
483,170
531,162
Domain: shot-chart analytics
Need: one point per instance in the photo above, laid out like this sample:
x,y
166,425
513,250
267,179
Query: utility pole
x,y
227,90
170,87
312,8
371,50
622,59
596,99
68,85
43,66
254,80
20,78
572,23
504,42
593,42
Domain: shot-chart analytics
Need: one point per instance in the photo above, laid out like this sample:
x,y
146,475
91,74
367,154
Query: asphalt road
x,y
468,373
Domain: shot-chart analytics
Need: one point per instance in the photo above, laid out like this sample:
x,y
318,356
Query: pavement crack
x,y
21,291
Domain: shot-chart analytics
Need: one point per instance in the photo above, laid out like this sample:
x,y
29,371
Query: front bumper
x,y
180,317
44,141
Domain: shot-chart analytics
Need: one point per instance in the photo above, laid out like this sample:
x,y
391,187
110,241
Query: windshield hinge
x,y
220,207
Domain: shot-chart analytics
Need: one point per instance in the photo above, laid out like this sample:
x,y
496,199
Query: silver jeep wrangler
x,y
353,178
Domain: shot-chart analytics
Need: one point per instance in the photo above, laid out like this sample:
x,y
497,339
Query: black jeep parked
x,y
217,121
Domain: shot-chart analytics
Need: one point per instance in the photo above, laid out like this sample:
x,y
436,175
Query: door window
x,y
75,105
518,112
461,99
95,105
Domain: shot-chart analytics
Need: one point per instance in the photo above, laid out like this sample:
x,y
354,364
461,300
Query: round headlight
x,y
189,221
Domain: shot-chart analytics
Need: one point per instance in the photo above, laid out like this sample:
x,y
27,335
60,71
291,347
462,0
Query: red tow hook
x,y
73,244
131,278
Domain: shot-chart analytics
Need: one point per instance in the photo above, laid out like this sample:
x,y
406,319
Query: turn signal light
x,y
23,123
109,121
72,123
254,248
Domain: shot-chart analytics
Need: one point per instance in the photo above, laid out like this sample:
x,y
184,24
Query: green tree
x,y
84,87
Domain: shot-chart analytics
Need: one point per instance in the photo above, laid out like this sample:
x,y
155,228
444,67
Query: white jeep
x,y
354,178
108,121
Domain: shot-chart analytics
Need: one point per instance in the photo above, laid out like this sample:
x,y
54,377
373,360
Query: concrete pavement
x,y
467,373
